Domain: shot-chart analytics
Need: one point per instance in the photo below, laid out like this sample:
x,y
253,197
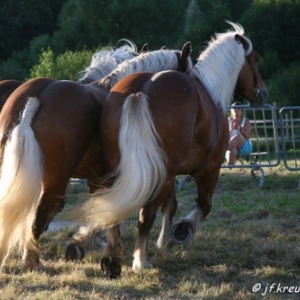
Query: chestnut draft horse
x,y
57,137
86,238
157,126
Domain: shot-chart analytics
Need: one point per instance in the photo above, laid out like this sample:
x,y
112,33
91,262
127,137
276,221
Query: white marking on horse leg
x,y
140,260
196,214
194,217
79,255
31,260
165,233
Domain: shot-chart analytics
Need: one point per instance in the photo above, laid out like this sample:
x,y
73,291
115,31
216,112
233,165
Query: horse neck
x,y
218,70
154,62
97,73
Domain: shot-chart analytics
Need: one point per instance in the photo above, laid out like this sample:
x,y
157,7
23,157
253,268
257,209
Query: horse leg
x,y
51,203
146,219
206,183
112,256
86,238
168,209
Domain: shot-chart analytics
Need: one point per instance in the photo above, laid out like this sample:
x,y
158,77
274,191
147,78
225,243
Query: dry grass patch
x,y
251,236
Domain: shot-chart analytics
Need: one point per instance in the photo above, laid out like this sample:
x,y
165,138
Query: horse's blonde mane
x,y
104,61
154,61
219,65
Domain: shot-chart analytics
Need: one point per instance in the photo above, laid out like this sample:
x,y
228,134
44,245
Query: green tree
x,y
284,88
193,20
21,20
45,68
202,20
270,64
91,23
17,66
11,69
273,26
237,8
65,66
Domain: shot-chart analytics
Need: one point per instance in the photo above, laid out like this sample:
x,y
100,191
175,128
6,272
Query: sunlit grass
x,y
252,235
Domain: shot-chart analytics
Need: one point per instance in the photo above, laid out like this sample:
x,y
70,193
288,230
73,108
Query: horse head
x,y
250,84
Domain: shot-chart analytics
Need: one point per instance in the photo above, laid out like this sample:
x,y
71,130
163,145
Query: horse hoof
x,y
74,252
182,232
138,268
111,266
29,268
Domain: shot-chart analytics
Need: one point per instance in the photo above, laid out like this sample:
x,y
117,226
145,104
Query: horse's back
x,y
173,103
16,101
170,94
59,100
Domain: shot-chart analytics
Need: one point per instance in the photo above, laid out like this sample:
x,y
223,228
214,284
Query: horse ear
x,y
186,51
144,48
163,48
240,39
213,37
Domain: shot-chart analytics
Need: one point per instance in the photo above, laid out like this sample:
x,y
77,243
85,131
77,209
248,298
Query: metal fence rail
x,y
275,138
290,137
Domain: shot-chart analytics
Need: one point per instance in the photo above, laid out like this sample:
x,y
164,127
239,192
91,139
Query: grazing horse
x,y
56,137
157,126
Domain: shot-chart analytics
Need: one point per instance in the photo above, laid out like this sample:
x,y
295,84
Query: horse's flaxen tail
x,y
20,184
141,171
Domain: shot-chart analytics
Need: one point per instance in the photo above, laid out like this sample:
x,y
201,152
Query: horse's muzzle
x,y
260,97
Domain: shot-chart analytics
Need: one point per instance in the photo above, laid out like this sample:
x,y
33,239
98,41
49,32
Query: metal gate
x,y
275,138
290,137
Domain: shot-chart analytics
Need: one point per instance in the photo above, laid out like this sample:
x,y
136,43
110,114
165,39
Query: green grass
x,y
251,236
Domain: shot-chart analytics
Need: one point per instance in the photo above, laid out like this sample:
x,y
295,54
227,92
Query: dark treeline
x,y
31,31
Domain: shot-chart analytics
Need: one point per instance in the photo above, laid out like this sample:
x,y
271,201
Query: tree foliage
x,y
90,23
65,66
22,20
274,26
68,27
284,88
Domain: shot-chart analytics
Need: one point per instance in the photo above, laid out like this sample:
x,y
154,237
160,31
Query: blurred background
x,y
57,38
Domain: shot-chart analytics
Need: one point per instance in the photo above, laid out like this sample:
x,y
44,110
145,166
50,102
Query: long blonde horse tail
x,y
141,171
20,184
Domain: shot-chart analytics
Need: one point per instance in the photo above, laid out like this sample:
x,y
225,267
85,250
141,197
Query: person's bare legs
x,y
234,145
